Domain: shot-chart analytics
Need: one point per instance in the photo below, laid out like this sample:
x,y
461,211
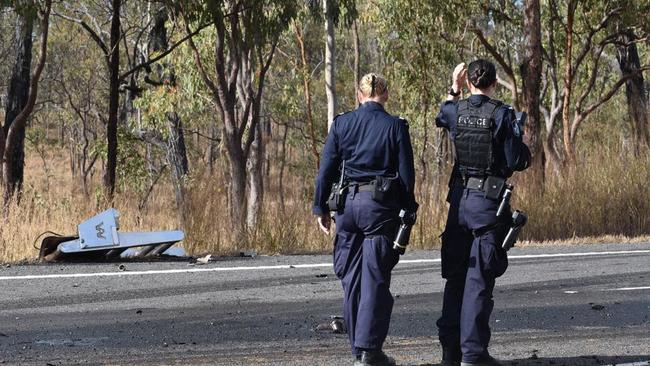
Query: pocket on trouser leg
x,y
385,256
454,253
338,262
494,260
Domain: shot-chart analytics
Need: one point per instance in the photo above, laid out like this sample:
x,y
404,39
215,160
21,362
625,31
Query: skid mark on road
x,y
293,266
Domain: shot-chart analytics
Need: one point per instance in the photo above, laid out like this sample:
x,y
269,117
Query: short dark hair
x,y
481,73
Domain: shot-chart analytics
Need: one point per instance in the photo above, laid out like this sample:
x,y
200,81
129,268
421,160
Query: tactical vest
x,y
474,140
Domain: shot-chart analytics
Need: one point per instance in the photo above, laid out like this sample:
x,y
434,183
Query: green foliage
x,y
131,163
262,19
336,10
22,7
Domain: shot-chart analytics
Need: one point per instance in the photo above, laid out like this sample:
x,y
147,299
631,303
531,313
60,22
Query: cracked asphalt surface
x,y
581,310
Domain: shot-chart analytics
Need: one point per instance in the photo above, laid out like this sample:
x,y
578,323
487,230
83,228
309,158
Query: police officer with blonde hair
x,y
489,148
369,151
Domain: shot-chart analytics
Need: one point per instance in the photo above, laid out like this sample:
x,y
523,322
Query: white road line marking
x,y
641,363
631,288
290,266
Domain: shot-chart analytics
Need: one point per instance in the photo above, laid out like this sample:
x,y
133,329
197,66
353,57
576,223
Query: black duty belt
x,y
363,186
471,182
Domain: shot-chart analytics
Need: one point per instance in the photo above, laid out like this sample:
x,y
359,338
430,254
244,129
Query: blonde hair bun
x,y
372,85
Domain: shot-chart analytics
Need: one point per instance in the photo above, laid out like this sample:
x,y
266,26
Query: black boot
x,y
374,358
451,356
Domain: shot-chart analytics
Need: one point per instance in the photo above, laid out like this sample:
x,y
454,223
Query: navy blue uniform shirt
x,y
514,156
372,143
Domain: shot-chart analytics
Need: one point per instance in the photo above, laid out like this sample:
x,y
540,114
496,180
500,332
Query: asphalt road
x,y
552,308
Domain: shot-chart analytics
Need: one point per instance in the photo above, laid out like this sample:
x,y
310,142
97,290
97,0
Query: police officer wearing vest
x,y
489,148
373,150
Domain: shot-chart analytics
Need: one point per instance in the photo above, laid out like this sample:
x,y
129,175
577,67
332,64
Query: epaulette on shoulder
x,y
341,114
497,103
403,120
508,108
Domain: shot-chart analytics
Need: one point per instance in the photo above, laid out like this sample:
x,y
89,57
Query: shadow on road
x,y
574,361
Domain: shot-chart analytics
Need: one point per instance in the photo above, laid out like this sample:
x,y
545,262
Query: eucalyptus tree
x,y
118,42
246,33
22,93
631,34
172,140
330,12
531,76
588,80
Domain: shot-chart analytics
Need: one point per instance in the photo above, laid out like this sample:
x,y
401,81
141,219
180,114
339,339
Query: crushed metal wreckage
x,y
99,239
336,325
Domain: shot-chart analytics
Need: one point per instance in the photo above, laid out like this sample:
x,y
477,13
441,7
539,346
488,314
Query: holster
x,y
335,201
381,188
494,187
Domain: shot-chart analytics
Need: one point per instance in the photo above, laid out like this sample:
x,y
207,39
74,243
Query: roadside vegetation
x,y
210,116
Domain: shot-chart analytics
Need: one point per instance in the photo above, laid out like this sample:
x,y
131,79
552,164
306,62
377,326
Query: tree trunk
x,y
283,163
175,145
255,179
237,191
177,160
113,104
330,61
568,84
357,59
637,103
212,148
17,96
237,85
12,137
553,161
531,75
306,82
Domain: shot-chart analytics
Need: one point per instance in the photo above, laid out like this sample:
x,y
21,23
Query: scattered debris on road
x,y
248,254
205,260
596,306
336,325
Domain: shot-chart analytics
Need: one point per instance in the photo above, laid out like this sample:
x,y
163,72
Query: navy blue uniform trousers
x,y
472,258
363,261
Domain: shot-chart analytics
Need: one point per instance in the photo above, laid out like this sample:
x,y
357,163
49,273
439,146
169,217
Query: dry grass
x,y
605,196
288,230
56,202
603,239
598,203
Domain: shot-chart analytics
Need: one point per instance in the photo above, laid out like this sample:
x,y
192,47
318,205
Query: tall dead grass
x,y
603,196
54,201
